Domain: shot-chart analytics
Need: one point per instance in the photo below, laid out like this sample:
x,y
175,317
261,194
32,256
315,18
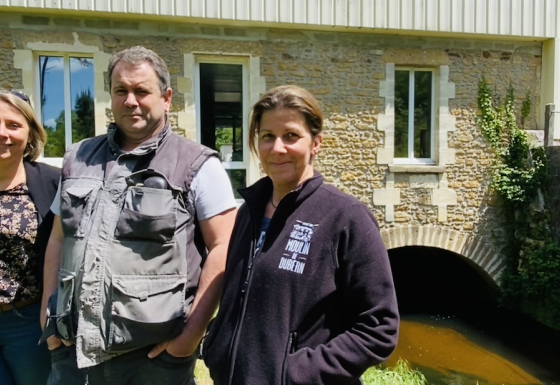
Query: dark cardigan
x,y
42,182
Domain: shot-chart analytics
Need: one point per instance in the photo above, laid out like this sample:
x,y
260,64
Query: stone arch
x,y
476,250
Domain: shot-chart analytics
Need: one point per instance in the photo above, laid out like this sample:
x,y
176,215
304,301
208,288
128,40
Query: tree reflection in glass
x,y
402,87
413,95
66,93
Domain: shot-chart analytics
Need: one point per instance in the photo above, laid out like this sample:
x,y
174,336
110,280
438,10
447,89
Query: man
x,y
138,208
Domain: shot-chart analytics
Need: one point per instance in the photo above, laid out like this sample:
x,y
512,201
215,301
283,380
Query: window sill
x,y
416,168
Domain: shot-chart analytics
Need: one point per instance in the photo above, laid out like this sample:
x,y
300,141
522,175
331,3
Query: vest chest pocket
x,y
148,214
76,209
146,310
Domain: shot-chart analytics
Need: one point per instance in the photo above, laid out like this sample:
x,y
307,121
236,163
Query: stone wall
x,y
345,72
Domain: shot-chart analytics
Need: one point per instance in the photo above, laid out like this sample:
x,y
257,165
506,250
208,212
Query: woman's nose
x,y
278,145
3,130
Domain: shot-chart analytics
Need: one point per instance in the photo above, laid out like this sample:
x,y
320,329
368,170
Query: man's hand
x,y
54,342
216,232
177,347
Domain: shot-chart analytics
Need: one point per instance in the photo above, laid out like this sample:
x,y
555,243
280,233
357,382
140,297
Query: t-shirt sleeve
x,y
212,190
55,205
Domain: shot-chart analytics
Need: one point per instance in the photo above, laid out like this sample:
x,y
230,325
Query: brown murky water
x,y
455,332
449,354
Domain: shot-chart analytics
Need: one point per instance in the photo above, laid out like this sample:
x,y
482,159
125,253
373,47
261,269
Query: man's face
x,y
139,108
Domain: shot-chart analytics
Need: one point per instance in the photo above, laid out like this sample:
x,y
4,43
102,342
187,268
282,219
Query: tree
x,y
83,125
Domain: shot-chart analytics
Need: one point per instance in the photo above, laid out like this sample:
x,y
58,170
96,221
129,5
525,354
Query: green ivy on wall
x,y
530,281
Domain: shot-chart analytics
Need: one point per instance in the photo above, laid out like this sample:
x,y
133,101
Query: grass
x,y
400,374
201,374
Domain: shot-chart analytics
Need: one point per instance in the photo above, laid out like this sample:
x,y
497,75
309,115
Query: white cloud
x,y
76,65
50,123
54,64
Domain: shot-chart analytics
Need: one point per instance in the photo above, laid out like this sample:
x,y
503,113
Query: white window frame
x,y
234,165
57,162
411,159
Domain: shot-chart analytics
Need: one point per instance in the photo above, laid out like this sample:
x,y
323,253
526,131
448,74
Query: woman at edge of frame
x,y
308,292
27,189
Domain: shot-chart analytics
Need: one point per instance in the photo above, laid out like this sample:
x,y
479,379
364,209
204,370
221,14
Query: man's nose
x,y
131,101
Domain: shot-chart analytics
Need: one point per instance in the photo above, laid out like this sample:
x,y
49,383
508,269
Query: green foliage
x,y
531,278
400,374
83,126
223,136
525,109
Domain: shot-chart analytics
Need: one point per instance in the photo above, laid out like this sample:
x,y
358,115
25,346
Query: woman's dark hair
x,y
286,97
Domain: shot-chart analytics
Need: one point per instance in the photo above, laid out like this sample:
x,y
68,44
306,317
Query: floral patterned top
x,y
19,270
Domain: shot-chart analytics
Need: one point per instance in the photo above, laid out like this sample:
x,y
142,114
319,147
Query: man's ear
x,y
167,96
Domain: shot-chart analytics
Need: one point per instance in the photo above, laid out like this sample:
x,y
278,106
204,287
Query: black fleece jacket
x,y
316,306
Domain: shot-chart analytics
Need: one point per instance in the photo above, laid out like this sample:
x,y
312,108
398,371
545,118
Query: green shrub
x,y
400,374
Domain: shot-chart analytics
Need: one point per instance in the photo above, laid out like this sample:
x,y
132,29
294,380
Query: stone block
x,y
67,21
124,24
385,155
98,23
186,29
325,37
238,32
35,20
184,85
286,34
7,44
210,31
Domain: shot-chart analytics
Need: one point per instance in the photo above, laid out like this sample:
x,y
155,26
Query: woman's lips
x,y
281,164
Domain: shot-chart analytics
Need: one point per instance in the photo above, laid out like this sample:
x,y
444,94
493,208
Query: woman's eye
x,y
292,136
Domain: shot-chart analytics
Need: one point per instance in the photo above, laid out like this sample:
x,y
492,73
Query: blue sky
x,y
81,78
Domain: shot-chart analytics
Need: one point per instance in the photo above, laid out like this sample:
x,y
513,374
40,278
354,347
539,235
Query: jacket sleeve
x,y
372,319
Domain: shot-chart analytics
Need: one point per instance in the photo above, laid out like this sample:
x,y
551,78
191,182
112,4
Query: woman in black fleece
x,y
309,296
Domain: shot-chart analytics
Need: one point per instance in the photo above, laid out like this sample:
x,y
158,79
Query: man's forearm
x,y
51,266
207,297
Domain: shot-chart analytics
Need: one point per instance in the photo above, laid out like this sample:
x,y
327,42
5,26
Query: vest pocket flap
x,y
79,191
146,310
142,287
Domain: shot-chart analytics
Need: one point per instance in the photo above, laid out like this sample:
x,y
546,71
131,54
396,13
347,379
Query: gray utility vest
x,y
131,255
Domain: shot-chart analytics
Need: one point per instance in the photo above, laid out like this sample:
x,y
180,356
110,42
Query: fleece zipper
x,y
245,288
243,306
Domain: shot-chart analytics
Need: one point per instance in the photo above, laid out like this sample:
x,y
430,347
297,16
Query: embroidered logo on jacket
x,y
297,247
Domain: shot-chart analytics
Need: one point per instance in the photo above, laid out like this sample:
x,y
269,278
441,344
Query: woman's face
x,y
14,133
286,147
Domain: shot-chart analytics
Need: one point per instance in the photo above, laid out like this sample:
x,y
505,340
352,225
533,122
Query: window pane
x,y
81,93
237,178
221,115
51,78
221,94
401,113
422,114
